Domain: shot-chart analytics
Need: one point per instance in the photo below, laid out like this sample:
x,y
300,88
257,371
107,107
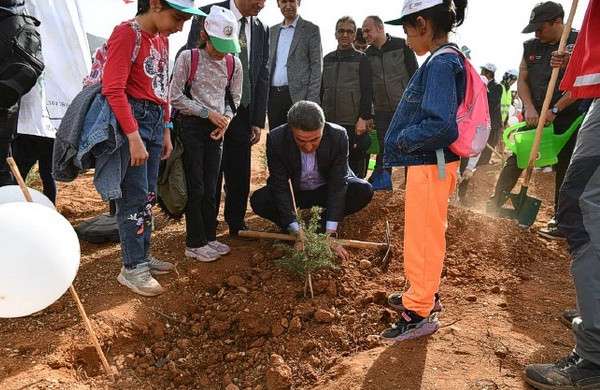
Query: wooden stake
x,y
308,277
86,320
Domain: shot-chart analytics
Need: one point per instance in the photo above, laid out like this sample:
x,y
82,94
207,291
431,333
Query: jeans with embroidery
x,y
134,209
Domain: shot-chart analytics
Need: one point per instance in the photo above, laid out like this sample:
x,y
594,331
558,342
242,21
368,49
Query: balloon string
x,y
86,321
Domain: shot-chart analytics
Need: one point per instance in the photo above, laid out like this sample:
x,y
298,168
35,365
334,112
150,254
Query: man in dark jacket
x,y
314,155
534,74
347,93
17,75
494,96
393,63
245,128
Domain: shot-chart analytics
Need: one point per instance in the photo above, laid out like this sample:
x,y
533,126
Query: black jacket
x,y
259,58
284,161
494,95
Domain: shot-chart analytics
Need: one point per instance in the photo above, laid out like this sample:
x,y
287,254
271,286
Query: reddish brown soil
x,y
218,324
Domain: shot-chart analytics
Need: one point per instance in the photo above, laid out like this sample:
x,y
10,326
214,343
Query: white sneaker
x,y
219,247
204,254
140,281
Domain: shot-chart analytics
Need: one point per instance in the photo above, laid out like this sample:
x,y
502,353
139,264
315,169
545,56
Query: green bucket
x,y
519,139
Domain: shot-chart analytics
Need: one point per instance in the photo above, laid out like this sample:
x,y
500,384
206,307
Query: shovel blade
x,y
525,208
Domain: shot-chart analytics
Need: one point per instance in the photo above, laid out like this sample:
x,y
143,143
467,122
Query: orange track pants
x,y
425,223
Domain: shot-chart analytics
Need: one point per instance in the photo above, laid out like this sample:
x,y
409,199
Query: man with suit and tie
x,y
314,155
246,126
295,62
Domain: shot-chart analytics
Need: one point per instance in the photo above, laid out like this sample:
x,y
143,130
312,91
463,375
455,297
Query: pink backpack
x,y
472,116
95,76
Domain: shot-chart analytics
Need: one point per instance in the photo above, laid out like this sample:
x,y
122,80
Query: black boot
x,y
572,372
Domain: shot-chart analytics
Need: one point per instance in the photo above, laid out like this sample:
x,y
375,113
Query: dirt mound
x,y
243,323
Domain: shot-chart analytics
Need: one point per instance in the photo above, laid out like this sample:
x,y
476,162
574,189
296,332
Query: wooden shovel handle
x,y
549,93
289,237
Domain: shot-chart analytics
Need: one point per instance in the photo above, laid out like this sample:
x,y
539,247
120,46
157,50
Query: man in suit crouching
x,y
314,155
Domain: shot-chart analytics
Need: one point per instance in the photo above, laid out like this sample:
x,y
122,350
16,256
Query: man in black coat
x,y
314,155
19,71
245,128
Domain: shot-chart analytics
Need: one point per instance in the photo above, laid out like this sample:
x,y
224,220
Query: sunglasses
x,y
342,31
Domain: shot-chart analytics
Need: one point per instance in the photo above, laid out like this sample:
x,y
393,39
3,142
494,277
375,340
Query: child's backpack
x,y
99,60
172,188
473,116
194,61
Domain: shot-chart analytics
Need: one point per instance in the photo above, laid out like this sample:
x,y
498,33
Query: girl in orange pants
x,y
419,136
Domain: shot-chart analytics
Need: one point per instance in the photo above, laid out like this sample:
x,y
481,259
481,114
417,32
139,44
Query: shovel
x,y
525,208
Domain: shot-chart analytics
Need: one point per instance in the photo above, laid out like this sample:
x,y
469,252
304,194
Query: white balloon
x,y
39,256
10,194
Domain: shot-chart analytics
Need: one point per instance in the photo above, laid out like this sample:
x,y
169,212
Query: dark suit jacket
x,y
259,58
304,62
284,161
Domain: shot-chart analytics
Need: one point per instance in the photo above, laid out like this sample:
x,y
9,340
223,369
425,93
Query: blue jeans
x,y
134,209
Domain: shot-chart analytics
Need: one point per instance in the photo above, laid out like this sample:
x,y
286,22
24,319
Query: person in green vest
x,y
509,78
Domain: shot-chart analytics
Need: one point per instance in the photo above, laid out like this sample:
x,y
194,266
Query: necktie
x,y
245,100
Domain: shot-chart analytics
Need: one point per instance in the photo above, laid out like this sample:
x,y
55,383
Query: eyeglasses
x,y
342,31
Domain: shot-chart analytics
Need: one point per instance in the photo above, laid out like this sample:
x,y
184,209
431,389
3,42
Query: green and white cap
x,y
186,6
221,26
414,6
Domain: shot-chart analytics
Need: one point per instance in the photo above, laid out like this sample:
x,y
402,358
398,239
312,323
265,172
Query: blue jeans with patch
x,y
134,208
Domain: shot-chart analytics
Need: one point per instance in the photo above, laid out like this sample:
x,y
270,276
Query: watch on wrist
x,y
204,112
555,110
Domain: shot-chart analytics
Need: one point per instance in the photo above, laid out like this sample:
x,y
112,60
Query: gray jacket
x,y
305,60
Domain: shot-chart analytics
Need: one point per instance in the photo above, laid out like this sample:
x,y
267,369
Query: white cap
x,y
222,28
491,67
414,6
513,72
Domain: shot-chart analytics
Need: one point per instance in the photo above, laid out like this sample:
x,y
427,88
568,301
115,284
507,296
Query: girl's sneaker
x,y
140,281
204,254
219,247
410,326
395,302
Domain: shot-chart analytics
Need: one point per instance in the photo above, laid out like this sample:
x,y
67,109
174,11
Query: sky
x,y
492,29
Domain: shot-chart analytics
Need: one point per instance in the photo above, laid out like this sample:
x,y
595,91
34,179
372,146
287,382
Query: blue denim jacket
x,y
101,147
425,119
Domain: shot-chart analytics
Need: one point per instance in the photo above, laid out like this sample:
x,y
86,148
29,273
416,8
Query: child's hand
x,y
167,147
137,149
218,134
218,120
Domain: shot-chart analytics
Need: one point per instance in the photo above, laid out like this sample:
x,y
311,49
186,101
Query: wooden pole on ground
x,y
86,320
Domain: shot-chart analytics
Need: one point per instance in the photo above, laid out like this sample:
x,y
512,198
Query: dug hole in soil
x,y
243,323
